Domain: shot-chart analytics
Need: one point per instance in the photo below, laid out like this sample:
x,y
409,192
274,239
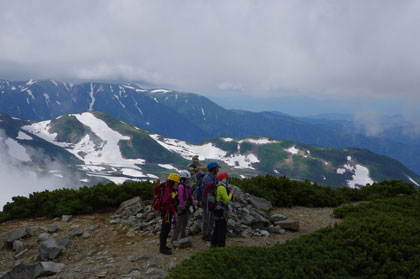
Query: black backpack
x,y
199,187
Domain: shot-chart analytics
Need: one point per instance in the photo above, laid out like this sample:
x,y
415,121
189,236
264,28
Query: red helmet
x,y
222,176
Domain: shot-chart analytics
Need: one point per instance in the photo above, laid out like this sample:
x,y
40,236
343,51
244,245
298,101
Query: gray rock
x,y
289,224
49,249
94,227
24,271
64,242
247,219
133,206
261,203
153,271
150,264
18,246
278,230
115,221
86,235
278,217
51,268
76,232
15,234
44,236
183,243
246,233
52,228
134,274
264,233
139,215
66,218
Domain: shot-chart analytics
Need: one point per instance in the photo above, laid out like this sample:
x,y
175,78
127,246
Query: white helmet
x,y
184,174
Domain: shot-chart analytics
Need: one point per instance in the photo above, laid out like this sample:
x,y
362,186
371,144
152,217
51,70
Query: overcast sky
x,y
323,49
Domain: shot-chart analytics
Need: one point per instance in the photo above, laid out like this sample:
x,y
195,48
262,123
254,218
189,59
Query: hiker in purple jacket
x,y
185,199
208,220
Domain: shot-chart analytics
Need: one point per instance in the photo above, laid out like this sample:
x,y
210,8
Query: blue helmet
x,y
212,165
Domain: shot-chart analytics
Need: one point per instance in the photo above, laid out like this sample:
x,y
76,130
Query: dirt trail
x,y
110,253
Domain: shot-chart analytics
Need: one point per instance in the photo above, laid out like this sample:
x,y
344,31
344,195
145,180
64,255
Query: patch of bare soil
x,y
109,251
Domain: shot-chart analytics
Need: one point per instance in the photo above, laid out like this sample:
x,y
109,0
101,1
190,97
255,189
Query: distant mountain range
x,y
194,118
94,146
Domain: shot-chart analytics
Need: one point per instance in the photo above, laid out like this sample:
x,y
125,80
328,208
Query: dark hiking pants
x,y
219,234
166,228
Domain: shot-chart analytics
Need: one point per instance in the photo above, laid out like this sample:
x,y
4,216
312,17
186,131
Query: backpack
x,y
198,191
210,195
157,196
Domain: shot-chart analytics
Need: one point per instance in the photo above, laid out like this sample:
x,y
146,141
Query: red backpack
x,y
157,196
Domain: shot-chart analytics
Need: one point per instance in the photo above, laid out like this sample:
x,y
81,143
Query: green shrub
x,y
379,239
284,192
75,201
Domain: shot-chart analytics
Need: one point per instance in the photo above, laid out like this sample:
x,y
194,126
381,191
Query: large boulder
x,y
131,207
50,268
183,243
49,249
24,271
261,203
15,234
278,217
288,224
30,271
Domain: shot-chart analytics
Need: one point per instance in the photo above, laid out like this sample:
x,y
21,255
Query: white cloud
x,y
19,180
336,48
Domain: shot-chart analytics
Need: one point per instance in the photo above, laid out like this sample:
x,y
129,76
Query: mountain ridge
x,y
186,116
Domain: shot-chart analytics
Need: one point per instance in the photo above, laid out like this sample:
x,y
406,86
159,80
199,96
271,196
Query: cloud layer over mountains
x,y
330,48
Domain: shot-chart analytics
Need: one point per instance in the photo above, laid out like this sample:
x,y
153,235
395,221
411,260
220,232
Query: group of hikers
x,y
175,200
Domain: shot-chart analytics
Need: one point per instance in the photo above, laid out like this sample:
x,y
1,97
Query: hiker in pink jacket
x,y
185,200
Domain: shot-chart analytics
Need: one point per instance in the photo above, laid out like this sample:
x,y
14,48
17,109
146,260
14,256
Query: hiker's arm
x,y
221,191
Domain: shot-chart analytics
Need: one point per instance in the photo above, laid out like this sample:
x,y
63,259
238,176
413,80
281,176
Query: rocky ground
x,y
107,250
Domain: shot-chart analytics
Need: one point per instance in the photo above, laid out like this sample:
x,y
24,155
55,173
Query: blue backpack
x,y
199,187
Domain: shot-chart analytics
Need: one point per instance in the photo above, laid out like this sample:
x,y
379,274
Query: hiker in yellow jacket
x,y
221,210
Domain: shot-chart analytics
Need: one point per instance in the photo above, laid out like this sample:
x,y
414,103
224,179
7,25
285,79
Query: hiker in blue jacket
x,y
208,221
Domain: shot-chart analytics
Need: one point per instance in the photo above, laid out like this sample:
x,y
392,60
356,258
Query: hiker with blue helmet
x,y
208,221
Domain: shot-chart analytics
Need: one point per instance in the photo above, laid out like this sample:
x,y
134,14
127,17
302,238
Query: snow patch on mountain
x,y
168,167
30,82
23,136
413,181
206,151
160,91
92,97
360,175
293,150
227,139
94,154
259,141
16,150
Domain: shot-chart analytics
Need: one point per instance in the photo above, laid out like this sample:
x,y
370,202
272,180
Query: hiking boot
x,y
166,251
206,238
